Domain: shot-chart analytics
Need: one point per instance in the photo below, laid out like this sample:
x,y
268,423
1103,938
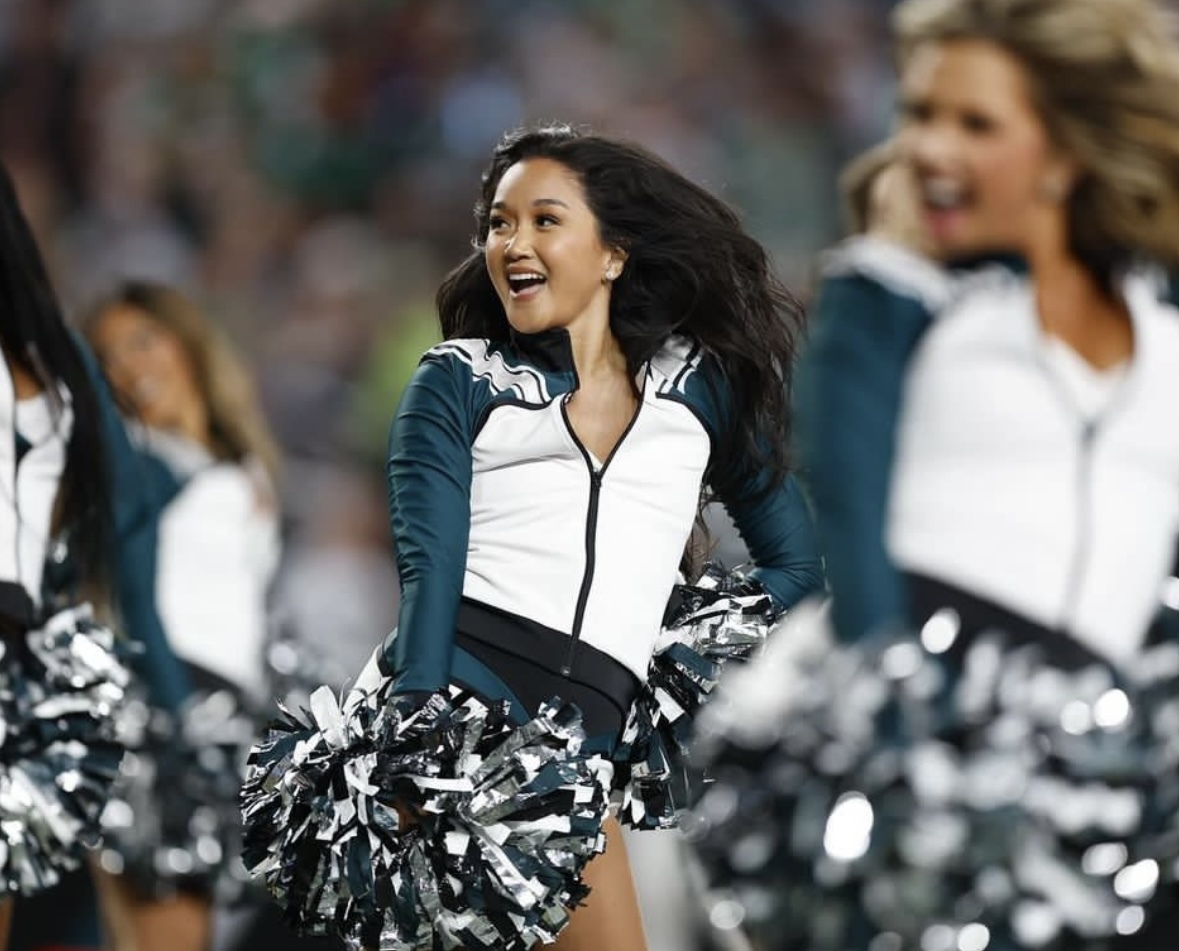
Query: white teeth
x,y
522,276
942,193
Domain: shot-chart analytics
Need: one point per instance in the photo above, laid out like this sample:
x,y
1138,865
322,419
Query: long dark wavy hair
x,y
691,269
35,336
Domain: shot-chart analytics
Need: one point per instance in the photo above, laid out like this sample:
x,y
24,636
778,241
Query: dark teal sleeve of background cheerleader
x,y
429,482
848,399
139,500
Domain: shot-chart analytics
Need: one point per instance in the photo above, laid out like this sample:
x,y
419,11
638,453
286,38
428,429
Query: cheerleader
x,y
79,523
985,402
216,553
205,446
615,343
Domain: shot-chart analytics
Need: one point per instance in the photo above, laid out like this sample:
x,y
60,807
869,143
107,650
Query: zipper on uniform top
x,y
591,525
1076,573
587,578
1090,429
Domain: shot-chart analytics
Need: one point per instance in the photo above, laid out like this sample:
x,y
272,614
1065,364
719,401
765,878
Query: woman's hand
x,y
894,209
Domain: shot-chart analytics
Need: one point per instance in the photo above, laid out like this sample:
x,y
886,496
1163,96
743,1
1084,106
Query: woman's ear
x,y
614,265
1060,179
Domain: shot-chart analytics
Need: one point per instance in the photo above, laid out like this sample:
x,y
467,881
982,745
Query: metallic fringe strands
x,y
721,618
435,826
61,687
897,794
173,822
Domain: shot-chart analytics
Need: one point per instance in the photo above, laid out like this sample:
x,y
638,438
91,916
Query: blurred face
x,y
987,177
148,367
544,253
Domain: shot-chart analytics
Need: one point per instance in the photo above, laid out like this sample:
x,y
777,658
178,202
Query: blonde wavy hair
x,y
237,427
1104,76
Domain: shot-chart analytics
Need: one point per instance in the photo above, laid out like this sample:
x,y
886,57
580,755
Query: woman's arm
x,y
779,532
429,481
849,392
140,496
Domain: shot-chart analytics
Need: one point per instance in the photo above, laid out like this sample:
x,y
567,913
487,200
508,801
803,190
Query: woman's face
x,y
988,178
148,367
544,252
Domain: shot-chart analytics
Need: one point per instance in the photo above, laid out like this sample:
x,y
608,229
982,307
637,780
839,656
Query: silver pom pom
x,y
898,791
722,618
61,687
443,825
173,822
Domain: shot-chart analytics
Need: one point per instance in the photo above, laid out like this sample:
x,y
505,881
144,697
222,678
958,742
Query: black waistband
x,y
205,681
978,615
16,607
528,658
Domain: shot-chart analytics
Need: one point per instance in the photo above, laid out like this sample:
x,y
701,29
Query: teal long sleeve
x,y
849,394
778,529
429,481
140,495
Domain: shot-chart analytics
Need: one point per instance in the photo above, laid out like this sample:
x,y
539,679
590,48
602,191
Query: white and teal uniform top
x,y
217,552
947,435
493,500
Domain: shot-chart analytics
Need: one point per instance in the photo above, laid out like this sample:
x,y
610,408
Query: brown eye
x,y
916,111
978,123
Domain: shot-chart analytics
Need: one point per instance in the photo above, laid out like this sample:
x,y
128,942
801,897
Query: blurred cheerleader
x,y
1042,141
217,550
206,448
78,522
986,401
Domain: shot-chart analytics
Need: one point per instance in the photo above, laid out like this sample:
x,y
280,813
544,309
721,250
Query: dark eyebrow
x,y
537,203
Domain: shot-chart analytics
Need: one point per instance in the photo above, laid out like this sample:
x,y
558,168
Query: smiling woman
x,y
200,429
544,254
980,152
615,344
982,399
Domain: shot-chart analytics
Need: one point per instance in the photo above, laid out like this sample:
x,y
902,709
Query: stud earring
x,y
1054,189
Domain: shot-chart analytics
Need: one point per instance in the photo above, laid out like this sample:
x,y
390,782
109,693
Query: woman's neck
x,y
597,354
193,424
1073,306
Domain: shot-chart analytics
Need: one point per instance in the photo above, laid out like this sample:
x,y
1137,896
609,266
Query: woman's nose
x,y
930,147
518,244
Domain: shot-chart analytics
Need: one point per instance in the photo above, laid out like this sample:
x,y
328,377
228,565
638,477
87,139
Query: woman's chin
x,y
529,324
